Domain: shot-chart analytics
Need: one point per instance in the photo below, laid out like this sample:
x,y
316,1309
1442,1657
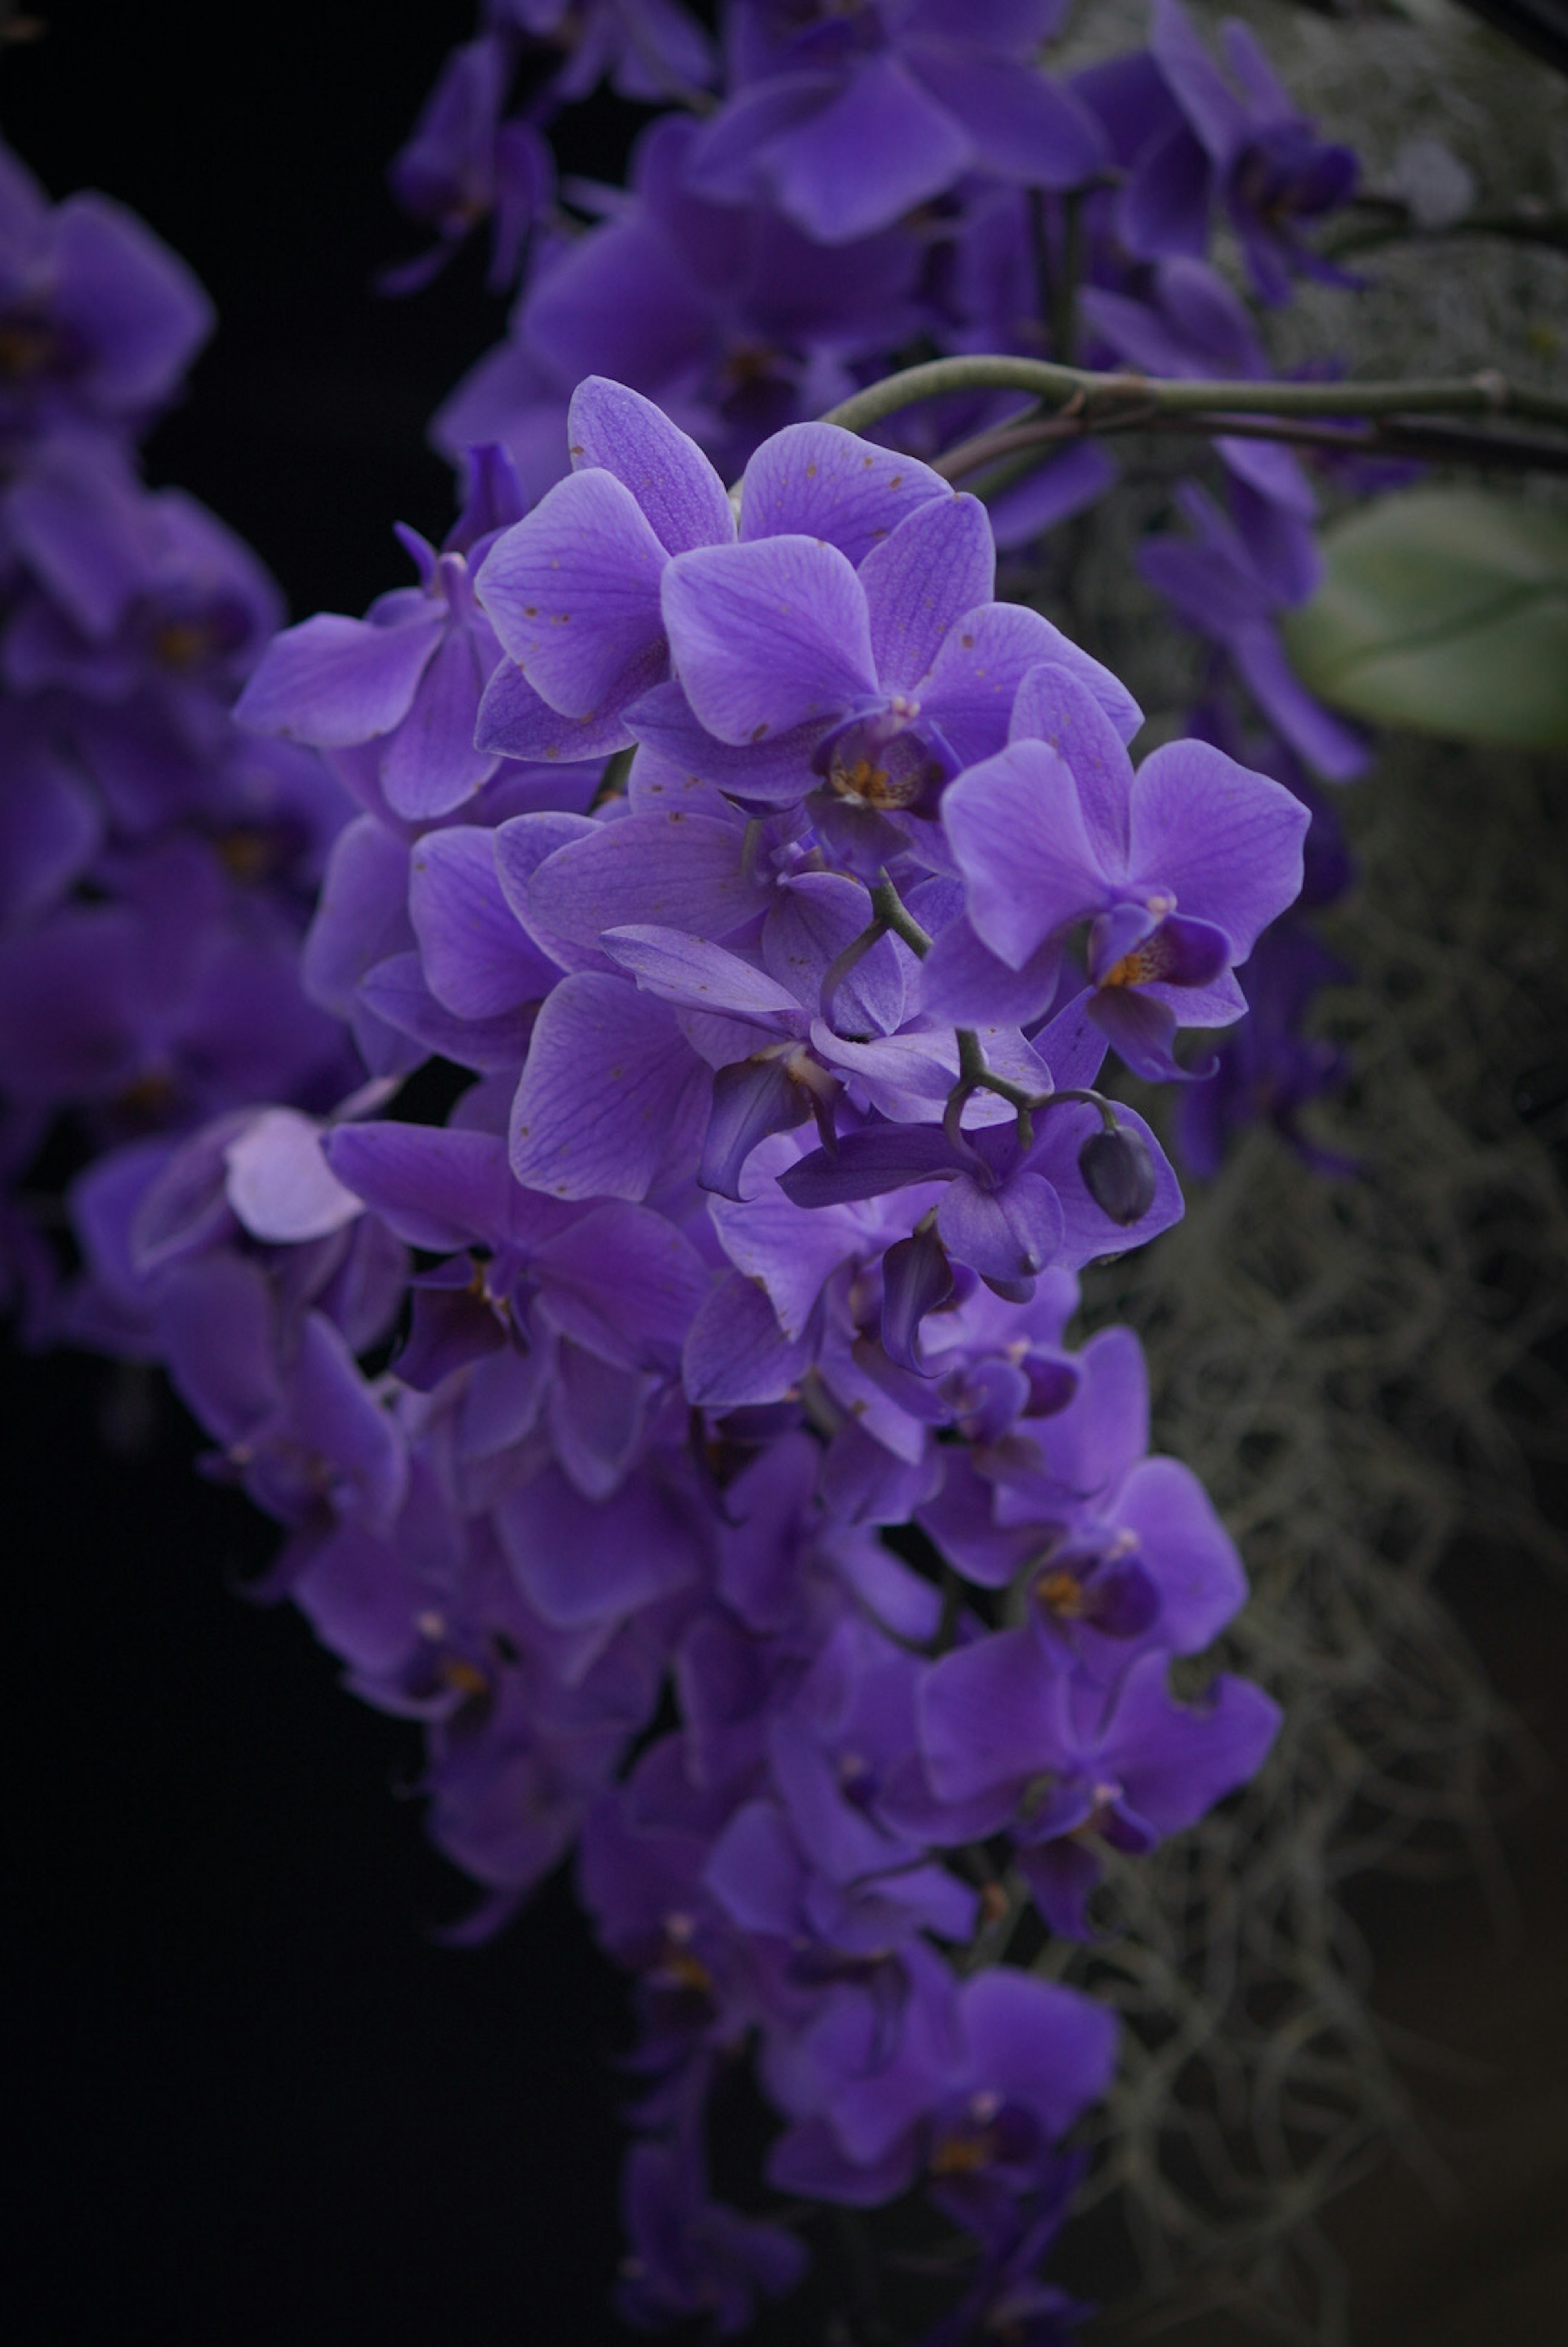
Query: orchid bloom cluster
x,y
588,1076
733,1510
900,178
157,867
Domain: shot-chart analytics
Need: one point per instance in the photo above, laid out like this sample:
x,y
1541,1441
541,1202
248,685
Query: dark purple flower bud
x,y
917,1279
752,1099
1118,1173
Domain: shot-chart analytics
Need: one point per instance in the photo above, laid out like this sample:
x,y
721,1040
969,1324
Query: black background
x,y
250,2098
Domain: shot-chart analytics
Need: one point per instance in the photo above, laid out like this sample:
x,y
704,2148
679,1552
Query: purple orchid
x,y
98,320
845,637
461,164
1236,144
790,1040
984,2081
1176,868
574,590
401,687
848,644
1010,1740
846,118
596,1406
1112,1551
729,316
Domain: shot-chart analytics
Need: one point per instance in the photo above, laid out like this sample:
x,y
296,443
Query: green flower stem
x,y
1100,399
892,914
974,1075
1433,443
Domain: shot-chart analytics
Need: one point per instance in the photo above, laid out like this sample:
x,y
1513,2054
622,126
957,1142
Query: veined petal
x,y
686,969
824,482
904,1075
735,1354
1108,690
477,961
518,723
766,1238
431,764
1010,1234
767,636
972,684
1058,708
962,981
670,871
814,918
332,681
435,1188
609,1077
672,481
623,1282
396,991
1017,834
937,564
775,771
1228,842
521,846
572,592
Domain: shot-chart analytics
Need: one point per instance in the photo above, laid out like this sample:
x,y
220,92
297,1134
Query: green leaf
x,y
1445,610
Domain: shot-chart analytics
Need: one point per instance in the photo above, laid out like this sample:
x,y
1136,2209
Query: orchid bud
x,y
1118,1173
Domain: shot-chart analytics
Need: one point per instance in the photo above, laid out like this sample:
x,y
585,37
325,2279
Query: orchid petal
x,y
767,635
672,481
573,593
